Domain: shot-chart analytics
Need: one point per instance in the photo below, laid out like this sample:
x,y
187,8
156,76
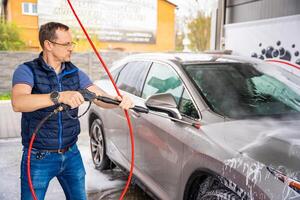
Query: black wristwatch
x,y
54,96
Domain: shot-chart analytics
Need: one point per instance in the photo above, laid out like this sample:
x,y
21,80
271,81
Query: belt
x,y
60,151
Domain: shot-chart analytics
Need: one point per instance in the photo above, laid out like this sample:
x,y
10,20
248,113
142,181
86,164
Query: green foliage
x,y
5,96
10,37
199,32
179,42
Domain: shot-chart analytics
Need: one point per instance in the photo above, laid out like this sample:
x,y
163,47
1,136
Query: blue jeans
x,y
67,167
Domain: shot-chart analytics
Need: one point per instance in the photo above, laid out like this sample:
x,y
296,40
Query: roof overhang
x,y
171,2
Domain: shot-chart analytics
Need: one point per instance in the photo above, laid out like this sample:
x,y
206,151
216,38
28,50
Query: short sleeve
x,y
84,80
23,75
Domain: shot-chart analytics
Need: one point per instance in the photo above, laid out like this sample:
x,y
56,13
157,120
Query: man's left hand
x,y
126,102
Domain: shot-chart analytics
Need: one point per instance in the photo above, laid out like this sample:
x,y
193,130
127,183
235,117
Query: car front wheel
x,y
211,188
97,144
220,194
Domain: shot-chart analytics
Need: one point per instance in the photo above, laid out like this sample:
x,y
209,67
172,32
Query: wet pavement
x,y
100,186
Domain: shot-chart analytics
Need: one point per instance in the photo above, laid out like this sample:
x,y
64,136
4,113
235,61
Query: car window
x,y
162,79
132,76
240,90
186,106
114,73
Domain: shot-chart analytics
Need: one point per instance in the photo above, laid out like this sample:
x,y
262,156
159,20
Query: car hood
x,y
272,142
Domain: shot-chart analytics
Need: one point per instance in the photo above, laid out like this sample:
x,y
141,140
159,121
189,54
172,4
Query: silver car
x,y
220,127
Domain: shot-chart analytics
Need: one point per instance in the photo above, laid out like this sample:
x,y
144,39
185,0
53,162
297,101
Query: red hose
x,y
28,167
36,130
117,90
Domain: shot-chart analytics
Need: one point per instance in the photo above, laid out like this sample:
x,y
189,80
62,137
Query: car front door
x,y
158,147
128,81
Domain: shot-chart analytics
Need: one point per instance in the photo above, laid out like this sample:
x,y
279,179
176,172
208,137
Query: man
x,y
39,87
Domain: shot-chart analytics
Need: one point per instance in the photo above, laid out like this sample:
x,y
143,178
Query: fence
x,y
87,62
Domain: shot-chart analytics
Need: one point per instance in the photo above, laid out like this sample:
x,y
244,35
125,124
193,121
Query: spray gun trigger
x,y
88,95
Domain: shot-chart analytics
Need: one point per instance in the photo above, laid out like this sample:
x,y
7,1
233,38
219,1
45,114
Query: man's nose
x,y
70,49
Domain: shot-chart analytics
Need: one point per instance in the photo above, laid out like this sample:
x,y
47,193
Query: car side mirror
x,y
164,102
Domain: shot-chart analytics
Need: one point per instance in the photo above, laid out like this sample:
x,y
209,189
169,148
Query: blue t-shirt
x,y
23,74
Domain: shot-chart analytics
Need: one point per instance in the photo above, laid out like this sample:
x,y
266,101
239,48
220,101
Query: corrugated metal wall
x,y
251,10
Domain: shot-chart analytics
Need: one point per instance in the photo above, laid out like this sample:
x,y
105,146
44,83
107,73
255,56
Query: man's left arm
x,y
86,83
126,102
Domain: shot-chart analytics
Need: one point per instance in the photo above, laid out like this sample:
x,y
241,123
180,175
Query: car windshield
x,y
244,90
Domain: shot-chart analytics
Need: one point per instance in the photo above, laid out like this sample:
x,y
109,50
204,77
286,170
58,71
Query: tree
x,y
199,32
10,37
179,41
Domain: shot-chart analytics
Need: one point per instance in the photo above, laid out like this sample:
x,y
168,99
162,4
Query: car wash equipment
x,y
88,96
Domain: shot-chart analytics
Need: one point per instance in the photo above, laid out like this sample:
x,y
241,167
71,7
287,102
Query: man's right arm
x,y
24,101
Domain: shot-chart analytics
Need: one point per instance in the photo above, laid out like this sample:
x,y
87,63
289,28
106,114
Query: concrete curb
x,y
10,121
5,101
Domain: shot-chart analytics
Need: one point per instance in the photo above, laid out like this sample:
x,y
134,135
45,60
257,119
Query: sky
x,y
187,10
190,7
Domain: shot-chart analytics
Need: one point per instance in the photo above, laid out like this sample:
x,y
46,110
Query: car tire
x,y
220,194
97,145
211,188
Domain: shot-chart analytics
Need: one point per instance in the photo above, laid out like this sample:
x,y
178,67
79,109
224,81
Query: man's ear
x,y
47,45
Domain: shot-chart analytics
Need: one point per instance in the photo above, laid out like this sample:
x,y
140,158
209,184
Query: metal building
x,y
265,29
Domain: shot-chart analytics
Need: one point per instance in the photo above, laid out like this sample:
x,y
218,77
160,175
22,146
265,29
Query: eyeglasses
x,y
68,44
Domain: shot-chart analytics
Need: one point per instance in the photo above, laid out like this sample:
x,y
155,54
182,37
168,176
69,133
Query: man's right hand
x,y
72,98
24,101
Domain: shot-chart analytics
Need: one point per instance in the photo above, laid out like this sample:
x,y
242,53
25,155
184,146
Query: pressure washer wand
x,y
89,96
141,109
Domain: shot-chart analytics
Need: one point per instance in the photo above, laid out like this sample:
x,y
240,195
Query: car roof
x,y
189,58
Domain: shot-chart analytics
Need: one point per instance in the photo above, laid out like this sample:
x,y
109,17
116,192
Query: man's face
x,y
62,46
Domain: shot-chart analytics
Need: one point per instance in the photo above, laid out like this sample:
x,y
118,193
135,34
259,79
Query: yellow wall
x,y
28,24
165,36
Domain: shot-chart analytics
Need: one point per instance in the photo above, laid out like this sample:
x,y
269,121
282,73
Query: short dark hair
x,y
47,31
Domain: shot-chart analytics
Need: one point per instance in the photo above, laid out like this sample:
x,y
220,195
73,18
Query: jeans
x,y
67,167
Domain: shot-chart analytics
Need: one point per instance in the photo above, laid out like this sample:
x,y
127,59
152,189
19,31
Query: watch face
x,y
54,95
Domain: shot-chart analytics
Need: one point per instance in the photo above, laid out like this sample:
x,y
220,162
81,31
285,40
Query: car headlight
x,y
292,182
